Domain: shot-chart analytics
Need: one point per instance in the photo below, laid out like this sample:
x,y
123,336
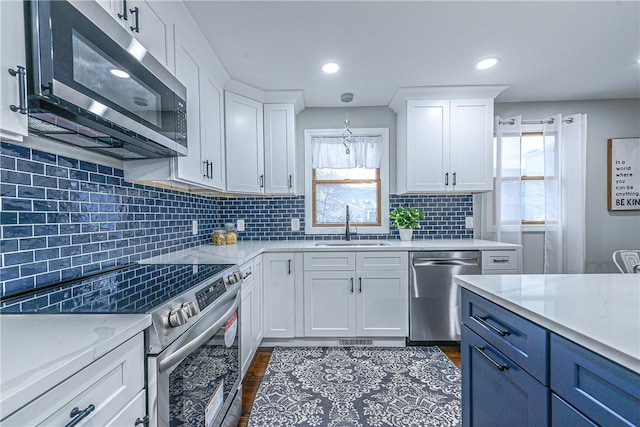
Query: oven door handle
x,y
186,349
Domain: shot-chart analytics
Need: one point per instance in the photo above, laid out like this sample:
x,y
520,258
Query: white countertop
x,y
601,312
39,351
246,250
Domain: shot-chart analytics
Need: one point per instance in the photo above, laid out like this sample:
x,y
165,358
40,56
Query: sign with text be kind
x,y
623,174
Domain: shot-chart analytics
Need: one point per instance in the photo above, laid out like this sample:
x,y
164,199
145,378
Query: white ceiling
x,y
550,50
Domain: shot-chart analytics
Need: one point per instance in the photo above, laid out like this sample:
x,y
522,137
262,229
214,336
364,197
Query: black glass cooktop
x,y
135,288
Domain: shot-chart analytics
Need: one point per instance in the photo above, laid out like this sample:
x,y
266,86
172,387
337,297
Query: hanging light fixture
x,y
346,133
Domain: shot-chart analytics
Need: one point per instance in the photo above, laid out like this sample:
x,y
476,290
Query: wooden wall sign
x,y
623,174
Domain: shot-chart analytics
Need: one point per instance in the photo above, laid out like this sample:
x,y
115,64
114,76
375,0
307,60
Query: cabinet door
x,y
212,148
278,295
382,303
144,24
493,396
329,304
244,144
427,145
471,148
279,149
258,303
190,167
136,409
13,125
246,318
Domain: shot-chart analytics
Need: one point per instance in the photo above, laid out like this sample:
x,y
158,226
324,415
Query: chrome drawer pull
x,y
500,261
79,415
501,367
144,421
483,320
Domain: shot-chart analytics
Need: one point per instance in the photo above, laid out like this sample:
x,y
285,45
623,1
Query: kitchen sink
x,y
355,243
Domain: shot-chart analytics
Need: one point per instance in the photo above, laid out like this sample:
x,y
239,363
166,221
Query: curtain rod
x,y
535,122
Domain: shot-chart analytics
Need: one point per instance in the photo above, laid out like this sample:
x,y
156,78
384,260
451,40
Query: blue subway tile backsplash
x,y
63,218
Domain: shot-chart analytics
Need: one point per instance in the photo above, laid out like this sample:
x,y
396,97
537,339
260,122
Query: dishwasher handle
x,y
424,262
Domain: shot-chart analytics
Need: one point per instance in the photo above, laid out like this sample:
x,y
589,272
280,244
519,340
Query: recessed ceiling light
x,y
330,67
119,73
487,63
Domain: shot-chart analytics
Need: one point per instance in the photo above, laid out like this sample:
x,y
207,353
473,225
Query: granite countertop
x,y
39,351
601,312
246,250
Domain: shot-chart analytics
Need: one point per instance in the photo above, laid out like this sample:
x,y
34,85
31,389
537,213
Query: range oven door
x,y
195,381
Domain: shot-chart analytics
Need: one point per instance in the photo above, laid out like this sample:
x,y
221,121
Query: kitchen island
x,y
561,349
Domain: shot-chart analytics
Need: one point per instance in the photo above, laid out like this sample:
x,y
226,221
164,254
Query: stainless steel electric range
x,y
192,345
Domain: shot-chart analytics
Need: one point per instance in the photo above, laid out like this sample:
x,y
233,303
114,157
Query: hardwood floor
x,y
259,365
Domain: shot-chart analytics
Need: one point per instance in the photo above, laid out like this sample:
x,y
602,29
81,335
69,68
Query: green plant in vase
x,y
406,219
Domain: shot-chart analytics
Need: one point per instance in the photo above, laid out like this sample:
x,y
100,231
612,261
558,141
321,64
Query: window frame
x,y
383,195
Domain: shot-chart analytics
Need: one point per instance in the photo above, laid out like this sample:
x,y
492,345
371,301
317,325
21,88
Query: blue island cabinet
x,y
517,373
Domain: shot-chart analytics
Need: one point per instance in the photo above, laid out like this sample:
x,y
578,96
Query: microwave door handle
x,y
185,350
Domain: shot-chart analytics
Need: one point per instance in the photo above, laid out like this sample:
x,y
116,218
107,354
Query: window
x,y
354,182
528,175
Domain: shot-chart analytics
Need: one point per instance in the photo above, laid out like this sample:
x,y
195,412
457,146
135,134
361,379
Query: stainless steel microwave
x,y
90,83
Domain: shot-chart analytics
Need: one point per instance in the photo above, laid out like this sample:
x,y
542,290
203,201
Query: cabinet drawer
x,y
495,390
604,391
328,261
499,260
563,414
382,261
109,384
520,340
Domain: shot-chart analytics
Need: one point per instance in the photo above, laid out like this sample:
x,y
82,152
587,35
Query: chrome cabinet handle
x,y
290,181
261,181
446,179
500,260
125,10
21,73
352,285
501,367
454,178
483,320
79,415
135,11
143,421
289,267
360,284
206,168
211,174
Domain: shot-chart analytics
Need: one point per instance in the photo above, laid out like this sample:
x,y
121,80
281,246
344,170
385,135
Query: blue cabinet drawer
x,y
563,415
522,341
602,390
496,391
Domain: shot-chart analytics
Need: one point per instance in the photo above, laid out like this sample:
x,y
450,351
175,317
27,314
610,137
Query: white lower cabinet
x,y
279,294
250,311
113,385
347,294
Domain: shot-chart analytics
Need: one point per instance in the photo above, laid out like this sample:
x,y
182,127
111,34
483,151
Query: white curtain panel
x,y
330,152
505,223
565,192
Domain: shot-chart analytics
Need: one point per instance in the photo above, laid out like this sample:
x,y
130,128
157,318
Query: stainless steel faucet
x,y
347,232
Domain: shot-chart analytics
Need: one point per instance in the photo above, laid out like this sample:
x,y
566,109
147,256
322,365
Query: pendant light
x,y
346,133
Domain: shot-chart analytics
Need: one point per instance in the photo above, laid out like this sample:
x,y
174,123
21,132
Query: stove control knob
x,y
225,280
191,308
178,317
232,278
239,275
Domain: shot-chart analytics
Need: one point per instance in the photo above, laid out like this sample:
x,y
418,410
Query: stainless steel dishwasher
x,y
434,301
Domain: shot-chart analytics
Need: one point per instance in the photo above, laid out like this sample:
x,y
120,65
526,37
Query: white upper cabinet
x,y
444,144
13,124
279,149
144,23
212,150
244,144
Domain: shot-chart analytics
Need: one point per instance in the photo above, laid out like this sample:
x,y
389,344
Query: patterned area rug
x,y
358,386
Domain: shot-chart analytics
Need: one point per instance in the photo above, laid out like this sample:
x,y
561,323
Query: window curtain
x,y
504,205
330,152
564,189
565,192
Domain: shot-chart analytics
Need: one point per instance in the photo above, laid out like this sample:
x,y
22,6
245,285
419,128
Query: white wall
x,y
333,118
606,231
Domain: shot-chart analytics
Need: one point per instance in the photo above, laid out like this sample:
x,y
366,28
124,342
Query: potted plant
x,y
406,219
